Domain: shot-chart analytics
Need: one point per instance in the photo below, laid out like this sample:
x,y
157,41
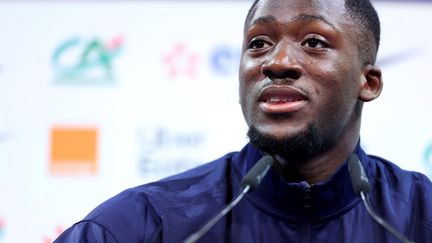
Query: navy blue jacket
x,y
171,209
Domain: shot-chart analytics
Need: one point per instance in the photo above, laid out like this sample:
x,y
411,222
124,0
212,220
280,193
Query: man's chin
x,y
300,146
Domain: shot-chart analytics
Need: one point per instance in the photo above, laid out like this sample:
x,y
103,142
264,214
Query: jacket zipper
x,y
307,205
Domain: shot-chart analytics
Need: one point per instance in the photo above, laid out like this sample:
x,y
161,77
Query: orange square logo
x,y
73,151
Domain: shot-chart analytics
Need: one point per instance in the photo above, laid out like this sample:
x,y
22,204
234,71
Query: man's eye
x,y
315,43
257,44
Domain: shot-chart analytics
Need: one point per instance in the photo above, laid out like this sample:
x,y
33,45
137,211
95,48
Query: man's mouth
x,y
281,99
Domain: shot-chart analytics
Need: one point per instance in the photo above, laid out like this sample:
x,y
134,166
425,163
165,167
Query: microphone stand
x,y
362,186
248,183
195,236
380,221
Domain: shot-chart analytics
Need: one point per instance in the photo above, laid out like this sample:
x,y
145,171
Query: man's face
x,y
300,69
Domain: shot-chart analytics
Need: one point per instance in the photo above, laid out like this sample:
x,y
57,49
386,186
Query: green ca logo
x,y
428,160
86,62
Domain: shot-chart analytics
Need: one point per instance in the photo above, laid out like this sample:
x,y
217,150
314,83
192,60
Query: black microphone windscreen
x,y
259,170
359,179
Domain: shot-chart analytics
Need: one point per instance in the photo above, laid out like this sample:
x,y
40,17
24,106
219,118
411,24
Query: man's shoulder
x,y
139,212
154,198
387,171
180,189
408,192
411,188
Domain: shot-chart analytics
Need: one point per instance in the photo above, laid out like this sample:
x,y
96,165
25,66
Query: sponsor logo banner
x,y
183,61
165,150
77,61
73,151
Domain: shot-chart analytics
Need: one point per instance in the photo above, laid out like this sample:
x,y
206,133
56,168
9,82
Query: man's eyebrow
x,y
301,17
310,18
264,20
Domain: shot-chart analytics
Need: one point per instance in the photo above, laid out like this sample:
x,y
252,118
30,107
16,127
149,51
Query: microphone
x,y
248,184
361,186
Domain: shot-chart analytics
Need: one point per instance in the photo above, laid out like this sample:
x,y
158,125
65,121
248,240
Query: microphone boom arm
x,y
248,183
381,222
195,236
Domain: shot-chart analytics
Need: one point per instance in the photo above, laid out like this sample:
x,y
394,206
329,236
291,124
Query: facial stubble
x,y
295,148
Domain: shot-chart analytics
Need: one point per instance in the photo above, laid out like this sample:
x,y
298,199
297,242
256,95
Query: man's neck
x,y
317,168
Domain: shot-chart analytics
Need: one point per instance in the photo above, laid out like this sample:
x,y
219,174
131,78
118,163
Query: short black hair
x,y
251,10
363,12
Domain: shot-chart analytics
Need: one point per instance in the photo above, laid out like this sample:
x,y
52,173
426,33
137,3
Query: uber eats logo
x,y
86,61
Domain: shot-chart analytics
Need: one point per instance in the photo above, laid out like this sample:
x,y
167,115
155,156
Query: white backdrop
x,y
147,89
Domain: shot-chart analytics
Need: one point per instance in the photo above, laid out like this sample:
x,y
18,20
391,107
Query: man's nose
x,y
282,63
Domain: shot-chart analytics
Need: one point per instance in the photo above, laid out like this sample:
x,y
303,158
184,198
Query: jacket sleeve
x,y
86,231
421,196
126,218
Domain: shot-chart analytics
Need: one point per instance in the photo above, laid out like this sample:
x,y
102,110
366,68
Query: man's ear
x,y
371,83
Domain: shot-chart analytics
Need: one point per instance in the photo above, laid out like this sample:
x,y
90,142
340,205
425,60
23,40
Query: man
x,y
307,67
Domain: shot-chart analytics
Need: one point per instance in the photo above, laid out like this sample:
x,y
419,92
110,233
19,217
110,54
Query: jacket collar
x,y
300,201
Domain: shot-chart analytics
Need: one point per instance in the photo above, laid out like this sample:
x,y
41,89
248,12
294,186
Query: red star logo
x,y
115,43
180,61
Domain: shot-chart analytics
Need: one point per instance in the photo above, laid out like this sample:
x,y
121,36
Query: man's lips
x,y
281,99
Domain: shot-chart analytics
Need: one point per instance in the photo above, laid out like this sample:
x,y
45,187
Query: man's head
x,y
365,15
306,70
